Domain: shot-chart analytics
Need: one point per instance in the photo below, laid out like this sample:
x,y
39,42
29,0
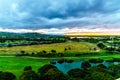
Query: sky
x,y
59,16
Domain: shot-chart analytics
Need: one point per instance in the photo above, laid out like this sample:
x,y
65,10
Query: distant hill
x,y
25,35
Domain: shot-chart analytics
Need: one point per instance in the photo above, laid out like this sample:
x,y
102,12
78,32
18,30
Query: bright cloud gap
x,y
59,31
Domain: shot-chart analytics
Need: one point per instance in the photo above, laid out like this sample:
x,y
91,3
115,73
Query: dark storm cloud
x,y
37,14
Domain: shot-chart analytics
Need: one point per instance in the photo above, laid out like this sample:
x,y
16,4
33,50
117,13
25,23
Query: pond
x,y
65,67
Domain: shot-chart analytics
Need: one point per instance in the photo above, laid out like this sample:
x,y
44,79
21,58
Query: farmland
x,y
59,47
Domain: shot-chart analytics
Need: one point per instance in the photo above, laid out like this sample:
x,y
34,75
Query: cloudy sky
x,y
59,16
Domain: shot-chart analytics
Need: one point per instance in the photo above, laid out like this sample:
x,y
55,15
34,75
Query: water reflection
x,y
65,67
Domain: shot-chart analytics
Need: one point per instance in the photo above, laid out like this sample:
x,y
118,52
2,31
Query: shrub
x,y
69,61
85,65
52,62
116,59
39,54
102,66
53,74
61,61
96,60
22,53
111,60
77,55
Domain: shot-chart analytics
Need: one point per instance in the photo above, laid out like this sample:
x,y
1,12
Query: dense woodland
x,y
21,39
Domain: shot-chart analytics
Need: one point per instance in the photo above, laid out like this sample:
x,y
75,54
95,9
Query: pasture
x,y
59,47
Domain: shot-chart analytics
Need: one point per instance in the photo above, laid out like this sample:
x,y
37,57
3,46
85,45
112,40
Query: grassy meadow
x,y
17,64
59,47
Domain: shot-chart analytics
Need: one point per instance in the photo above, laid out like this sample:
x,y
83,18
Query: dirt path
x,y
43,58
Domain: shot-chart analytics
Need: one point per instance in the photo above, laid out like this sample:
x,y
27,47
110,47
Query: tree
x,y
114,69
27,68
9,45
54,74
7,76
99,76
96,69
117,76
85,65
53,51
44,52
45,68
77,73
32,53
22,52
101,45
60,54
28,74
61,61
65,49
71,78
102,66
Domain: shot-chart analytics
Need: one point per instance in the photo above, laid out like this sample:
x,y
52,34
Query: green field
x,y
59,47
16,64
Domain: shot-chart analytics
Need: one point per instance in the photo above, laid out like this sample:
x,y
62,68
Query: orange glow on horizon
x,y
93,34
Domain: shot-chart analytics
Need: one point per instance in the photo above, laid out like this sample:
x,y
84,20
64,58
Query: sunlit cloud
x,y
63,31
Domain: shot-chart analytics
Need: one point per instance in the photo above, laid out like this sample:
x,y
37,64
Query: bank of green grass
x,y
17,64
76,47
